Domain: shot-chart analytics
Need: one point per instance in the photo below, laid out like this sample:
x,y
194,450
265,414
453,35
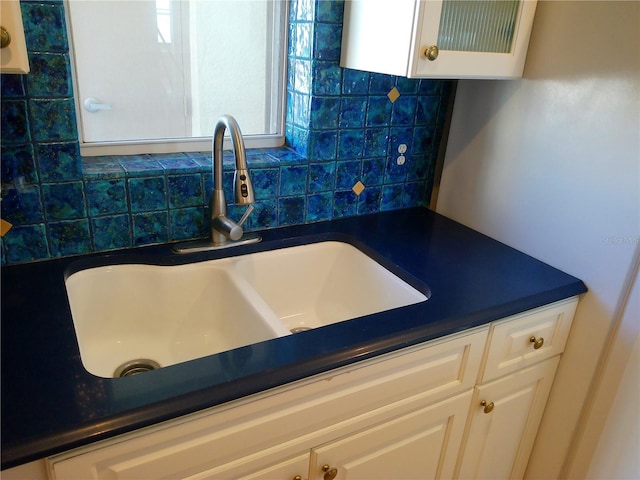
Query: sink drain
x,y
300,329
134,367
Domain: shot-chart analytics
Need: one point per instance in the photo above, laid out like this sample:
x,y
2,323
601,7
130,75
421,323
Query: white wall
x,y
551,165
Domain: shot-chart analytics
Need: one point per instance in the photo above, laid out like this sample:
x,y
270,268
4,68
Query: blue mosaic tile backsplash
x,y
343,128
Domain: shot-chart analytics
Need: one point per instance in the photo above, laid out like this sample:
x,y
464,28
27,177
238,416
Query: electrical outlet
x,y
402,148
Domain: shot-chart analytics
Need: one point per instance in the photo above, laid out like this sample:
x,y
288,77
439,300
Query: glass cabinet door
x,y
473,37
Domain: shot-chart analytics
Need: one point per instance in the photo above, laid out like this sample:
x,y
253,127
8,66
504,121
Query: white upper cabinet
x,y
13,54
438,38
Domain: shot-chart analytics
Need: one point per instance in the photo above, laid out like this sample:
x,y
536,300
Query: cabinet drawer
x,y
522,340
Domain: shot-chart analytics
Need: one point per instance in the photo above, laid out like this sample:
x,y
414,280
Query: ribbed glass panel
x,y
478,25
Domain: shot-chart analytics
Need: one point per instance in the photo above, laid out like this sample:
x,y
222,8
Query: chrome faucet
x,y
224,231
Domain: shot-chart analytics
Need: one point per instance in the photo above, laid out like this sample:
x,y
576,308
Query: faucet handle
x,y
246,215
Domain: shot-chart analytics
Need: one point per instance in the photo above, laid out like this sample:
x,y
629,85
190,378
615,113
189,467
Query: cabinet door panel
x,y
500,440
422,444
245,469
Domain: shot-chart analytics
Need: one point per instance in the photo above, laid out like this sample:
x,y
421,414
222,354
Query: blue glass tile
x,y
324,112
305,9
150,228
265,215
391,197
50,75
302,76
369,200
188,223
265,183
404,110
141,165
427,110
376,142
429,87
293,180
101,168
418,168
323,144
14,123
26,244
303,37
301,110
347,174
350,143
378,111
22,205
319,207
400,136
64,201
394,172
11,85
286,156
355,82
111,232
185,190
291,210
381,84
44,27
203,159
53,120
59,161
106,196
263,158
345,204
291,48
329,11
353,111
147,194
407,86
69,238
322,177
373,171
328,38
326,78
300,141
177,163
422,139
413,194
17,164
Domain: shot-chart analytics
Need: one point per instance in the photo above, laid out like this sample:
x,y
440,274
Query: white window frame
x,y
279,21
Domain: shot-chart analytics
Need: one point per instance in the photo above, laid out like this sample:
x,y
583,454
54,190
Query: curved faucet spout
x,y
226,232
222,228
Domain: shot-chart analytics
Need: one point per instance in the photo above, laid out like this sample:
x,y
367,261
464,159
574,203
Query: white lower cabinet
x,y
412,414
504,420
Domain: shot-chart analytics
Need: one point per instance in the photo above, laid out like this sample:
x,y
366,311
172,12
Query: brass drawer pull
x,y
329,472
537,342
431,52
488,407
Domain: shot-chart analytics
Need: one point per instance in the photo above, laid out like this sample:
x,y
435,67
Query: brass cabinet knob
x,y
297,477
329,472
537,342
431,52
488,407
5,38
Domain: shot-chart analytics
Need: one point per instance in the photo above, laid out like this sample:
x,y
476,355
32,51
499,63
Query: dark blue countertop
x,y
51,404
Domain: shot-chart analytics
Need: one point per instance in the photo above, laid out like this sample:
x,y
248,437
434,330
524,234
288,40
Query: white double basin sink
x,y
164,315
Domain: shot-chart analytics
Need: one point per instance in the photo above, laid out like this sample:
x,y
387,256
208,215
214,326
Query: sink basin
x,y
322,283
132,318
130,314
